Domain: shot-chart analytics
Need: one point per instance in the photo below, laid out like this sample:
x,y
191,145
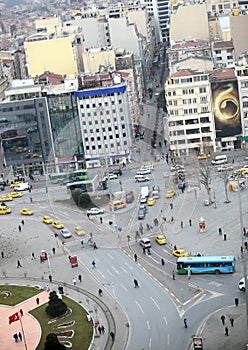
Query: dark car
x,y
141,214
117,172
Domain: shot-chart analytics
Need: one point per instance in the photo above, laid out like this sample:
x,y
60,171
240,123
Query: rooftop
x,y
223,44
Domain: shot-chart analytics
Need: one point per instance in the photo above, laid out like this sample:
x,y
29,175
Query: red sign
x,y
14,317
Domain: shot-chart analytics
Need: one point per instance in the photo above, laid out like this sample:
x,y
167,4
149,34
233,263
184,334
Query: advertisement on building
x,y
226,108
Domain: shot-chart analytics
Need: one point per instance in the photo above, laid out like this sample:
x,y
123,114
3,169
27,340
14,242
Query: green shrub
x,y
56,307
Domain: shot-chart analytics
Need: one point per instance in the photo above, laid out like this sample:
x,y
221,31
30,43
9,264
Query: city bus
x,y
57,178
84,185
78,175
206,264
69,176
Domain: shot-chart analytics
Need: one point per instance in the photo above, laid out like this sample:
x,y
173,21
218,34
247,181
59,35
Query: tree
x,y
52,343
225,178
84,200
205,179
76,194
56,307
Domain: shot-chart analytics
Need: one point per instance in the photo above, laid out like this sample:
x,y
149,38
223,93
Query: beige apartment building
x,y
189,124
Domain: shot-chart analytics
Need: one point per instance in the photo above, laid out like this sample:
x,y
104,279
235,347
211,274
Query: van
x,y
22,187
145,243
221,159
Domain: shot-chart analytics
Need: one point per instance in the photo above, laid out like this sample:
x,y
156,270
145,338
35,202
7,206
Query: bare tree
x,y
205,179
224,175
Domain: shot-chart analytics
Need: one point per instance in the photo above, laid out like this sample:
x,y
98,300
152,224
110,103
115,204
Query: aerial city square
x,y
123,175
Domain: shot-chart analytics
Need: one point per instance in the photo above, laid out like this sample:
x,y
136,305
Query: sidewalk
x,y
212,330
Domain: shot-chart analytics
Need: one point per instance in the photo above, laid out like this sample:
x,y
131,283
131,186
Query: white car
x,y
143,172
22,187
225,167
143,199
141,178
112,176
95,211
242,284
65,233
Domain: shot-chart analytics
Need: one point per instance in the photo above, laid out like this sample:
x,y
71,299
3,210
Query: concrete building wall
x,y
50,24
55,55
239,30
189,22
193,63
93,59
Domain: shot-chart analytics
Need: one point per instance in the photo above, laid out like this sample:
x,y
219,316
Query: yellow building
x,y
56,53
48,25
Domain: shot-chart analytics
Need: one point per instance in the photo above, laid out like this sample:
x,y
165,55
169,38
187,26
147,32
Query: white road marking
x,y
148,325
123,269
110,273
157,262
155,302
129,266
125,289
150,343
116,271
165,320
101,274
111,257
168,339
139,306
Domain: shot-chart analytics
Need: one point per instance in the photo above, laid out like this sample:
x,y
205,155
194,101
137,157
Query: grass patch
x,y
17,294
83,329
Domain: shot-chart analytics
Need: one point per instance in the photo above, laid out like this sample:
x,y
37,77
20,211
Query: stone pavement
x,y
212,330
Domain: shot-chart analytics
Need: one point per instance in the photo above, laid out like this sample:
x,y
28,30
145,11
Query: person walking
x,y
136,284
22,222
53,250
15,336
220,231
226,331
173,275
241,250
171,205
19,228
112,336
100,292
50,278
231,321
33,256
37,301
21,312
236,301
19,264
185,323
222,317
190,222
144,250
135,257
181,224
103,329
93,264
162,262
80,278
99,329
100,220
20,336
74,281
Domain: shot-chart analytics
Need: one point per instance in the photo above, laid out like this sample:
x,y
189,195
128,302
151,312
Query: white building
x,y
223,54
104,119
242,76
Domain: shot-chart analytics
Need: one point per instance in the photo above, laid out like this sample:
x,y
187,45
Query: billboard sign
x,y
226,108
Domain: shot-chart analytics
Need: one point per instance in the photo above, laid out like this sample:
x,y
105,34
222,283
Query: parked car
x,y
143,171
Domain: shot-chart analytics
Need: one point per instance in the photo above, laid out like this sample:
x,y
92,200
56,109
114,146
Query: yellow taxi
x,y
14,184
26,211
15,194
170,194
79,231
4,210
150,201
203,156
161,239
6,198
57,224
180,253
47,220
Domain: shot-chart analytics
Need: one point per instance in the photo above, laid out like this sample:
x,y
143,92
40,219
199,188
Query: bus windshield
x,y
206,264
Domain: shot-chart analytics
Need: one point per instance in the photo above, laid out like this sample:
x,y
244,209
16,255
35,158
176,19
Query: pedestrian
x,y
222,319
144,250
53,250
19,228
37,301
31,200
241,250
47,288
112,336
100,292
94,246
162,262
135,257
22,222
175,247
231,321
236,301
80,278
21,312
100,220
2,253
69,257
226,331
190,222
220,231
246,245
172,219
103,329
15,336
148,251
74,281
20,336
171,205
41,259
189,274
173,275
181,224
33,256
99,329
19,264
50,278
136,284
185,323
224,237
93,264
